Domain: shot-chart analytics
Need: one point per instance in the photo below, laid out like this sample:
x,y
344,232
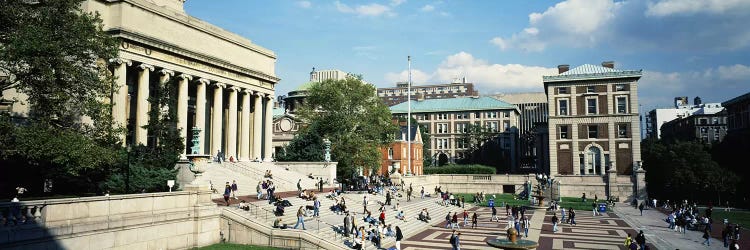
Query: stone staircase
x,y
328,224
248,174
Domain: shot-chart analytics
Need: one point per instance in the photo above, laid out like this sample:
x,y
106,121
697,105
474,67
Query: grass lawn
x,y
740,217
230,246
510,199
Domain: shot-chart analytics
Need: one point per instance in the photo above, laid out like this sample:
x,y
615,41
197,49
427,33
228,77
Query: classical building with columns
x,y
225,83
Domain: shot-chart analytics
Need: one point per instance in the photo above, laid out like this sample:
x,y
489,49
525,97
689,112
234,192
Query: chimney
x,y
562,68
608,64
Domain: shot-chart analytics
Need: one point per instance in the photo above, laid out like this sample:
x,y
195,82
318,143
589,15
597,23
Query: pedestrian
x,y
316,207
300,218
641,240
408,193
641,208
525,224
562,213
594,206
572,217
399,237
227,192
299,186
422,193
474,220
388,198
320,189
463,202
382,217
554,223
494,214
364,204
347,225
507,209
628,240
466,218
707,236
448,220
454,221
234,189
259,189
454,240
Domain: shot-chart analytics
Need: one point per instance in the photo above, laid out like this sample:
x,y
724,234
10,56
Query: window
x,y
591,108
442,116
562,105
506,125
492,126
622,104
506,114
461,127
462,115
477,114
390,153
620,87
562,90
564,132
442,143
703,121
491,114
442,128
461,143
590,89
593,131
715,120
622,131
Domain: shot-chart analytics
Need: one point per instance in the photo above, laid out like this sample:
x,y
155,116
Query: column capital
x,y
220,85
270,96
259,94
204,81
118,61
247,91
144,66
235,89
186,77
166,72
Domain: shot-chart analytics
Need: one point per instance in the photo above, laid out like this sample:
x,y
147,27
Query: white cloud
x,y
417,76
427,8
678,7
488,77
397,2
372,9
736,72
686,25
716,84
304,4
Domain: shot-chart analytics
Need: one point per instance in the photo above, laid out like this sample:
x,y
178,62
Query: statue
x,y
328,149
512,233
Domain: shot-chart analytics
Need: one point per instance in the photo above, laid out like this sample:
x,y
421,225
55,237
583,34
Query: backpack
x,y
452,240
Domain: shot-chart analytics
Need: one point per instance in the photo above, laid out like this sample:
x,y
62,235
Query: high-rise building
x,y
457,88
682,109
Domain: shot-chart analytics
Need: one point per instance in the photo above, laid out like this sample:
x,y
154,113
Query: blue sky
x,y
685,47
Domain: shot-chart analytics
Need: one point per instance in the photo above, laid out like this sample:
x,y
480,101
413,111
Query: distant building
x,y
706,128
738,116
534,111
447,119
658,117
396,95
395,157
328,74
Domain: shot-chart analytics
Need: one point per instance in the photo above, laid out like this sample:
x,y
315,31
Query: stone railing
x,y
482,177
238,227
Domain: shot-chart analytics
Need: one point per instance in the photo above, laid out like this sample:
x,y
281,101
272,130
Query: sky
x,y
684,47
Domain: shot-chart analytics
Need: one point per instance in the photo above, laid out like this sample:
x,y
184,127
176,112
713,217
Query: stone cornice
x,y
594,76
197,24
180,52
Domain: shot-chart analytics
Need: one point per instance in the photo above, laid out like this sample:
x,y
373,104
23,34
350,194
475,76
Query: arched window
x,y
593,161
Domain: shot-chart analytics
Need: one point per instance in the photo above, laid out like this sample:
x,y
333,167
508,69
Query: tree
x,y
353,118
482,147
55,56
306,146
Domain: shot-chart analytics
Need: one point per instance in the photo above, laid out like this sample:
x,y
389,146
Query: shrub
x,y
460,169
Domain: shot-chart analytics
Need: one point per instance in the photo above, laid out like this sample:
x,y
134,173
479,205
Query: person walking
x,y
234,189
562,213
300,218
466,218
454,240
494,214
474,220
422,193
707,236
628,240
572,217
594,206
364,204
347,225
448,220
641,208
525,224
554,223
320,183
641,240
399,237
259,189
316,207
454,221
299,186
227,192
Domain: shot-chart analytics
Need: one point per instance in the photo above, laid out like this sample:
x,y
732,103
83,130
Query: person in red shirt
x,y
382,217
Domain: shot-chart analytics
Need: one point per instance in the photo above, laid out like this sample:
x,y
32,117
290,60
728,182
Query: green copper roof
x,y
305,86
452,104
590,72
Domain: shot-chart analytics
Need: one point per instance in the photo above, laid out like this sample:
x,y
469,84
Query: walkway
x,y
656,231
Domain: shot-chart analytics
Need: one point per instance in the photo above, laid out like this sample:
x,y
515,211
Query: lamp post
x,y
127,172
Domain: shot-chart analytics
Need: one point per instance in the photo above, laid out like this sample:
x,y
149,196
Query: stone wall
x,y
327,170
240,228
173,220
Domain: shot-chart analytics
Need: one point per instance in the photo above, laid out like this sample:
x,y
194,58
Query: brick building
x,y
395,157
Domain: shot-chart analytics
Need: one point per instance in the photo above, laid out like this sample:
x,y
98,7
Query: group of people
x,y
568,216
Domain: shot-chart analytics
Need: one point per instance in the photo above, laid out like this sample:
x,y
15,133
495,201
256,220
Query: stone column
x,y
142,106
232,127
257,125
182,109
245,126
200,111
120,96
268,131
216,118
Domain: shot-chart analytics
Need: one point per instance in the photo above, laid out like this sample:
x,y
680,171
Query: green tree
x,y
55,56
306,146
349,113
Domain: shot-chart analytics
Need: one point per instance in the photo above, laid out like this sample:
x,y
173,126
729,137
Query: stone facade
x,y
224,82
594,126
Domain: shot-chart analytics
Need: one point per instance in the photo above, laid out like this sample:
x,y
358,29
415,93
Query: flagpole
x,y
408,117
